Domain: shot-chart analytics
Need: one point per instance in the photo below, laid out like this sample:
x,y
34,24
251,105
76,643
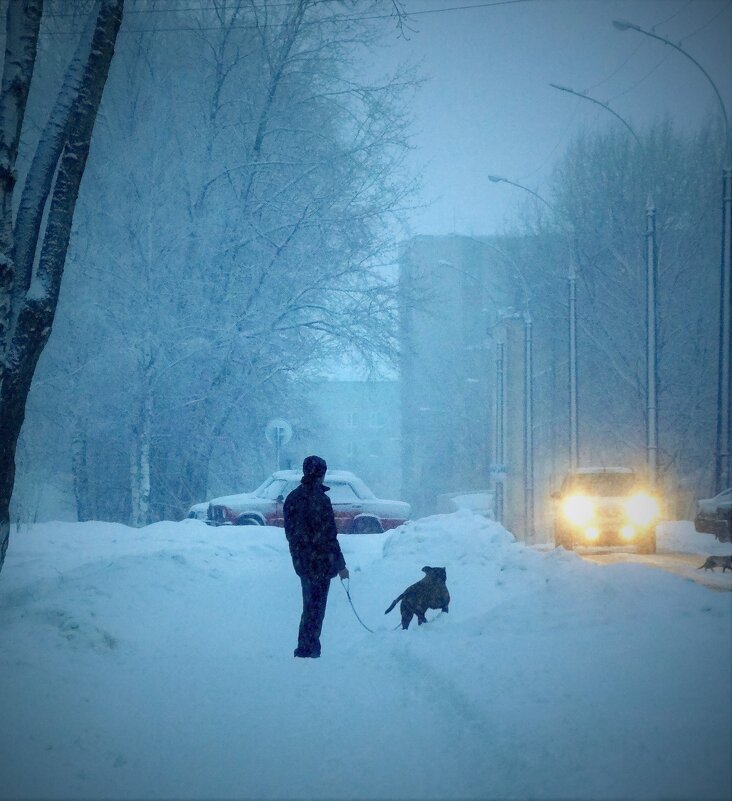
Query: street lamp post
x,y
573,442
722,473
651,311
651,365
528,427
597,102
528,407
499,449
722,477
572,293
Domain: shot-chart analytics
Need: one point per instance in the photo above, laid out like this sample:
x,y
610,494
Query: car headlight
x,y
642,509
628,532
578,509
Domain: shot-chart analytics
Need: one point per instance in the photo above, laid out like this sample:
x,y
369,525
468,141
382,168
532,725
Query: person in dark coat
x,y
316,555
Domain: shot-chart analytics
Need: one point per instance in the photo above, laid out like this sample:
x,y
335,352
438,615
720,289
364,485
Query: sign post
x,y
278,433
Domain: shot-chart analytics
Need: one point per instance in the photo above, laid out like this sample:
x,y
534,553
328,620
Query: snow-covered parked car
x,y
199,511
357,510
714,515
605,506
481,502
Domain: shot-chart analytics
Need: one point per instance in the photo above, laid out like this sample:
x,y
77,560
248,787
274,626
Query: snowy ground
x,y
158,663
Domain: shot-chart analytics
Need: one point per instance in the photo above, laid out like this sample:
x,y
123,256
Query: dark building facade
x,y
464,333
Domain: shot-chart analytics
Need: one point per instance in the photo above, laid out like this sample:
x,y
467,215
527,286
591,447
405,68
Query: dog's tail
x,y
394,603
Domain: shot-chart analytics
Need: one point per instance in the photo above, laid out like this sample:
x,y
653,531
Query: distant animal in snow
x,y
429,593
717,561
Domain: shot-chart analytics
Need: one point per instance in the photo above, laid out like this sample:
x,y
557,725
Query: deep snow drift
x,y
158,663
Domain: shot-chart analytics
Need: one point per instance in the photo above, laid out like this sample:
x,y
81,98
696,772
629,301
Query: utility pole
x,y
499,448
529,380
528,428
722,475
573,434
651,359
651,312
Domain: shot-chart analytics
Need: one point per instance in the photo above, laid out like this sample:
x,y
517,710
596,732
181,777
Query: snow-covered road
x,y
157,663
680,564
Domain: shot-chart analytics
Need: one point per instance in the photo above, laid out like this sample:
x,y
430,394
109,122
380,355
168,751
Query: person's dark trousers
x,y
314,599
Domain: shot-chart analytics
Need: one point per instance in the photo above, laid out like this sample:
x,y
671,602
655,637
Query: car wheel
x,y
247,520
366,525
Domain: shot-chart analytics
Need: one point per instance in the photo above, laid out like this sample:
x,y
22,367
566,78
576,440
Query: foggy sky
x,y
488,107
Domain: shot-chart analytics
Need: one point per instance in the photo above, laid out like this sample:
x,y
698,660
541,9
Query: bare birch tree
x,y
239,238
30,269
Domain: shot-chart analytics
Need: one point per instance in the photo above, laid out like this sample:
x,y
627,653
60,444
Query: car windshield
x,y
361,489
272,490
604,484
341,493
260,489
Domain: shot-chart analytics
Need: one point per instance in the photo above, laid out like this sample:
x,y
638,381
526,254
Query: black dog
x,y
429,593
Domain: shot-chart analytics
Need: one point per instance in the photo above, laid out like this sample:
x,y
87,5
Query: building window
x,y
377,419
374,450
352,419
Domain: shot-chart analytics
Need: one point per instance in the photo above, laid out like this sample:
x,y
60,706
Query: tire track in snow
x,y
495,755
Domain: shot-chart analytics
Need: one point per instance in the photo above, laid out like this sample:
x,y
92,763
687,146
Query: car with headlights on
x,y
605,506
355,507
714,515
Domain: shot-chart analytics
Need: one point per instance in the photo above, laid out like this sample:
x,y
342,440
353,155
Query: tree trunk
x,y
140,463
80,471
134,478
23,21
25,329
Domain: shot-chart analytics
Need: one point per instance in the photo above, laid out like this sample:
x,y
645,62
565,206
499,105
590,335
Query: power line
x,y
669,53
708,23
333,18
181,10
643,78
618,68
675,14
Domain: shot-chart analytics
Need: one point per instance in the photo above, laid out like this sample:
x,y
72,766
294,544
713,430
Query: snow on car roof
x,y
332,475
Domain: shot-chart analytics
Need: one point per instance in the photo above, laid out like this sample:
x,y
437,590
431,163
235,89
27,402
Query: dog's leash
x,y
350,601
345,587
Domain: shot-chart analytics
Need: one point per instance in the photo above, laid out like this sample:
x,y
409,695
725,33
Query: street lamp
x,y
651,350
722,473
651,296
499,440
585,96
497,179
572,293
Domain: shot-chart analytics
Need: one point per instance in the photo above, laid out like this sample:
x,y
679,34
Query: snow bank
x,y
681,536
158,663
459,538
